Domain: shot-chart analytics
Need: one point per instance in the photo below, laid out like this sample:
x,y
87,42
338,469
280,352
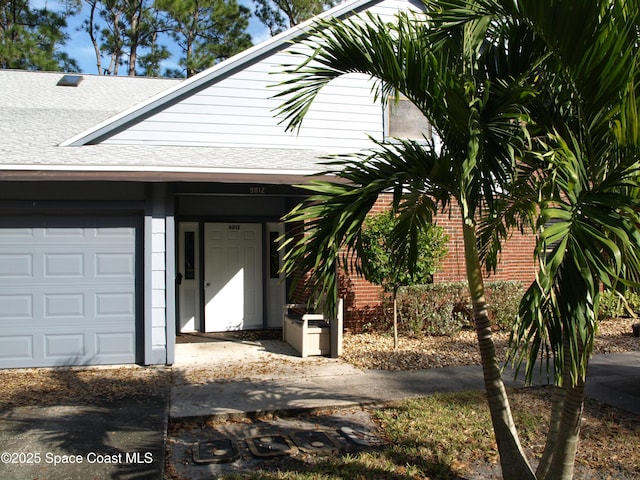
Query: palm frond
x,y
479,119
332,216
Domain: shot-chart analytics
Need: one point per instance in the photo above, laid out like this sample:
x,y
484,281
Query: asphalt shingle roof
x,y
36,116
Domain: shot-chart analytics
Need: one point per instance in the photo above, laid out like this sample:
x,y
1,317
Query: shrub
x,y
633,300
444,308
614,304
504,300
380,263
430,308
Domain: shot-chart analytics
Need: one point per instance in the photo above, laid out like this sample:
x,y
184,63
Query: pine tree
x,y
31,39
206,31
278,15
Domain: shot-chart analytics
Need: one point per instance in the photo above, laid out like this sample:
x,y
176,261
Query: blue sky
x,y
80,48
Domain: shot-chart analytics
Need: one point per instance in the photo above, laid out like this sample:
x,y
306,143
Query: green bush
x,y
430,308
504,300
380,263
614,304
444,308
633,300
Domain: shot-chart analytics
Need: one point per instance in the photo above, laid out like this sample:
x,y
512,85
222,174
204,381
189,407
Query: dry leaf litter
x,y
79,385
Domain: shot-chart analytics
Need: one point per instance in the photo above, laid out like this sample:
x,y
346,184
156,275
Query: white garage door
x,y
67,291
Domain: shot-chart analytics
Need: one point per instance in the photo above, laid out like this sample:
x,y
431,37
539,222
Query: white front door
x,y
276,288
189,276
233,276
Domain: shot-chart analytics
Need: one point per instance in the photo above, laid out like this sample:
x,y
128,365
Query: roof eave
x,y
226,175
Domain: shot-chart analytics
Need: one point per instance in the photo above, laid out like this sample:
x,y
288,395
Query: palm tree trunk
x,y
557,405
567,443
395,320
564,454
512,458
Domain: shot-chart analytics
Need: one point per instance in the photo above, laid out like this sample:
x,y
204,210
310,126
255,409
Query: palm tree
x,y
467,73
473,98
586,176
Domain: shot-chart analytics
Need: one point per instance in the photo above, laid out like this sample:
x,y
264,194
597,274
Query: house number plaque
x,y
257,190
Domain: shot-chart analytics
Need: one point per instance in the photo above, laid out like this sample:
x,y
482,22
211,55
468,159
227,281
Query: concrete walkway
x,y
316,383
303,386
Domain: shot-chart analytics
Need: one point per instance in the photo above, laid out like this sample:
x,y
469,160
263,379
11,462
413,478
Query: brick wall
x,y
516,260
362,299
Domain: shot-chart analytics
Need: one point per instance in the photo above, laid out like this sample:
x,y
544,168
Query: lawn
x,y
449,436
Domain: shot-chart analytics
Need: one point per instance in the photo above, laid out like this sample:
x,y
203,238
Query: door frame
x,y
271,317
275,287
182,274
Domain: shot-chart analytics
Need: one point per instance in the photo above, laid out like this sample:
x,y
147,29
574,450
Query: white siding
x,y
389,8
237,111
158,289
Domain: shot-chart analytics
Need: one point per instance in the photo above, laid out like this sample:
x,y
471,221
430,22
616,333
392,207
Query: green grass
x,y
442,436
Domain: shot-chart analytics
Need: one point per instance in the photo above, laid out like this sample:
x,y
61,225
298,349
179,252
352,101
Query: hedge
x,y
614,304
445,308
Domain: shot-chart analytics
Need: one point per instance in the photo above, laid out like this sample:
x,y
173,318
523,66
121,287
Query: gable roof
x,y
39,125
214,74
36,116
36,110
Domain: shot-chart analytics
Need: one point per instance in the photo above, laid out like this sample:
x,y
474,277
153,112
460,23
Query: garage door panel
x,y
115,264
63,265
65,346
16,348
16,306
106,307
109,233
86,348
16,265
9,235
47,347
64,305
113,345
110,266
68,291
114,304
109,303
49,234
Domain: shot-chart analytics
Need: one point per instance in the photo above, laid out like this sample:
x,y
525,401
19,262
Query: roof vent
x,y
69,81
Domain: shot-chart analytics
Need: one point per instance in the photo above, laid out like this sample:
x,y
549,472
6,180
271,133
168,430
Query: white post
x,y
336,330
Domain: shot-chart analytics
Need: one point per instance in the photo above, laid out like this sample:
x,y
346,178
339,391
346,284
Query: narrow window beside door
x,y
274,255
189,255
